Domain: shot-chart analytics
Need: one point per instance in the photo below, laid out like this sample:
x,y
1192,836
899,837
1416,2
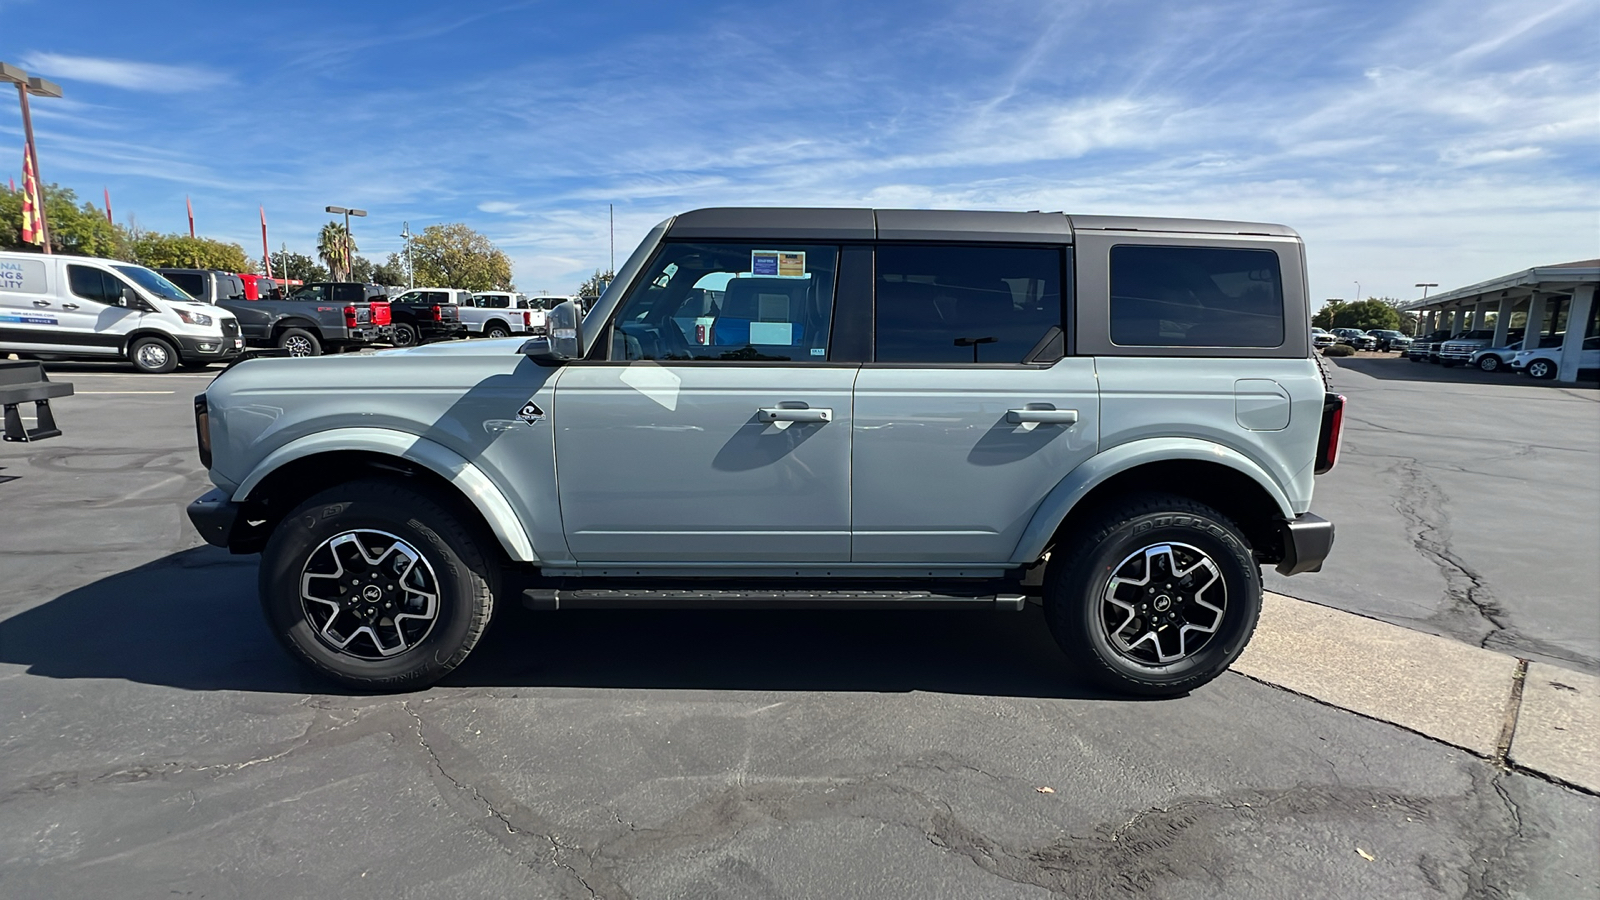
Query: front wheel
x,y
1154,598
153,356
1490,363
377,585
1542,369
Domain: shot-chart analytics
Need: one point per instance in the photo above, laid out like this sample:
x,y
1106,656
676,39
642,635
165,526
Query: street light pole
x,y
32,84
411,275
1425,285
349,256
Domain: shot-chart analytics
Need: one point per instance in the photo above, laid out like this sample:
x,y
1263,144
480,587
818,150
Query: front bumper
x,y
214,515
224,347
1307,540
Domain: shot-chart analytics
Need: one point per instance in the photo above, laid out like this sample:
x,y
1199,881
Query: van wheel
x,y
153,356
405,335
377,585
299,342
496,330
1154,598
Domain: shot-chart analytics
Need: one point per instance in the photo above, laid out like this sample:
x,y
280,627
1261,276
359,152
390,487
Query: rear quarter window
x,y
1195,297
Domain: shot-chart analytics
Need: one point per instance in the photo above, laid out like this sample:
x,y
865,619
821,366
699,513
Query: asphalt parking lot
x,y
157,743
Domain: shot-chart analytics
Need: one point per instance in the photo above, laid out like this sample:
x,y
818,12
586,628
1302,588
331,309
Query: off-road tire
x,y
467,579
1081,568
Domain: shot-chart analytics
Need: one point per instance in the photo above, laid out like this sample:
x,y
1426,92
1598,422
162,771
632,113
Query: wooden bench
x,y
23,382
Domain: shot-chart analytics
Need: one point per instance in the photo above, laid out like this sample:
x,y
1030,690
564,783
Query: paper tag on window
x,y
785,263
772,333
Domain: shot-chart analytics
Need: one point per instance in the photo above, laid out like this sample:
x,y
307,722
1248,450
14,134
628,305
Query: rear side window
x,y
1195,297
193,283
233,287
953,305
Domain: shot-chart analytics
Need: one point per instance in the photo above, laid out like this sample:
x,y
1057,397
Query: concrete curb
x,y
1532,716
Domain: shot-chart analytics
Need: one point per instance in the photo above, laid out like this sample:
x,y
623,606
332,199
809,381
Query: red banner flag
x,y
108,204
32,228
191,214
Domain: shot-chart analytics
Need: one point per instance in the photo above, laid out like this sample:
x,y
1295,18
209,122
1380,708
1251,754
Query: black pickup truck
x,y
320,316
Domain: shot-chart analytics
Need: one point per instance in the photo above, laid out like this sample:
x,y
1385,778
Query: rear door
x,y
969,412
736,450
30,302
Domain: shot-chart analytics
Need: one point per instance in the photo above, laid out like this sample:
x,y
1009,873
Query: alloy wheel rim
x,y
297,346
152,356
1162,604
369,594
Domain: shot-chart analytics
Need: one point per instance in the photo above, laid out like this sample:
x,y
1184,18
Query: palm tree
x,y
334,247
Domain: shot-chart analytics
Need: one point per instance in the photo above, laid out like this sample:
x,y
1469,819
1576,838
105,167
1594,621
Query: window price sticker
x,y
784,263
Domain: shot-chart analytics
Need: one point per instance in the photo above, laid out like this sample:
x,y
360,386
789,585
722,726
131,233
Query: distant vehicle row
x,y
1381,339
1472,348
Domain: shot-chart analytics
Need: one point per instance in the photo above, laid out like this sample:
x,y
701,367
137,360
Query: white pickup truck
x,y
497,314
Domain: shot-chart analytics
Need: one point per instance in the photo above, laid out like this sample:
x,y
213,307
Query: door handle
x,y
69,306
41,303
785,414
1042,416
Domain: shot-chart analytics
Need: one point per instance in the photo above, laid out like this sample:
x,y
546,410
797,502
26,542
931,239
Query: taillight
x,y
350,317
202,429
527,320
438,314
1332,436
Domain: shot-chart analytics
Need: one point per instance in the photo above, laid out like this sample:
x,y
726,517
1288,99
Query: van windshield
x,y
155,284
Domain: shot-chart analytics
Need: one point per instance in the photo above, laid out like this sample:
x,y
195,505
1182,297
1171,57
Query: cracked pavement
x,y
157,743
1467,505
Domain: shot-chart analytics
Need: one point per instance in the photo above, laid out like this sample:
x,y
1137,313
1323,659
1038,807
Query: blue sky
x,y
1407,141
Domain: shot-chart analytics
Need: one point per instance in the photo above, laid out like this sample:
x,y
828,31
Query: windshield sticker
x,y
22,275
782,263
530,412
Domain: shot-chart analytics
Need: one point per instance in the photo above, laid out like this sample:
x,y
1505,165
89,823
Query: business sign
x,y
23,275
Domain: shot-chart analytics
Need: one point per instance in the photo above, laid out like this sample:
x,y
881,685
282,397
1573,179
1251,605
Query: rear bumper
x,y
214,515
1307,541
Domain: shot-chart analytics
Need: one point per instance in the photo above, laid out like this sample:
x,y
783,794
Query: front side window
x,y
153,283
952,305
1195,297
769,302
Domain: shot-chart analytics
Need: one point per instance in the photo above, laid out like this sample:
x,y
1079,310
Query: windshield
x,y
155,284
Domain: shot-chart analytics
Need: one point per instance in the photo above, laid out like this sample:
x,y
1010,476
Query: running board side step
x,y
592,598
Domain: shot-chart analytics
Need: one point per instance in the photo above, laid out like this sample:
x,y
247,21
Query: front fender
x,y
1086,477
466,477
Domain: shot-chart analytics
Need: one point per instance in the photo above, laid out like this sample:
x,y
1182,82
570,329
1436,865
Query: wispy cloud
x,y
124,73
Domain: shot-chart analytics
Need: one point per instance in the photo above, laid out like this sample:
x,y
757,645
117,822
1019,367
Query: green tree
x,y
297,267
591,286
332,244
180,251
391,271
1366,315
77,229
456,256
361,269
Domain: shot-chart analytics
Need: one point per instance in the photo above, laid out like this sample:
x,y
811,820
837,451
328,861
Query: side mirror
x,y
128,298
563,340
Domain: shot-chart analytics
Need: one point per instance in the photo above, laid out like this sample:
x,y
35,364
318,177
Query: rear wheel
x,y
1155,598
405,335
496,330
1542,369
299,342
377,585
153,355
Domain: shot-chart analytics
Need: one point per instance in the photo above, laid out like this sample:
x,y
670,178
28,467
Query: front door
x,y
713,428
94,315
970,412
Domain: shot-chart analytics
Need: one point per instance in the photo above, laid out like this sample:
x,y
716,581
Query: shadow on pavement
x,y
191,621
1398,368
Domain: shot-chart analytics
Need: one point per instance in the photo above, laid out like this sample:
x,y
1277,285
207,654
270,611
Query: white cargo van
x,y
79,307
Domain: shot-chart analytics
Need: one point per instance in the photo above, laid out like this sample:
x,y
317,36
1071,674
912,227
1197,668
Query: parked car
x,y
425,315
323,316
1545,362
1459,349
887,412
1356,338
78,307
496,314
1322,340
1389,339
1424,349
1498,359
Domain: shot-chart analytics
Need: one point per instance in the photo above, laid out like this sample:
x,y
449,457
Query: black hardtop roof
x,y
845,223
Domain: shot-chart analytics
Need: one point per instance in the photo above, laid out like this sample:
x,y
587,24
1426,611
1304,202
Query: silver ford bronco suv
x,y
1119,418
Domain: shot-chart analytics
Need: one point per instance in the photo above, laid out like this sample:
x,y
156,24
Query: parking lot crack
x,y
1472,614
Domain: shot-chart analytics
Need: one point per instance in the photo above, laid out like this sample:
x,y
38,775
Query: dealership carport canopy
x,y
1552,296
